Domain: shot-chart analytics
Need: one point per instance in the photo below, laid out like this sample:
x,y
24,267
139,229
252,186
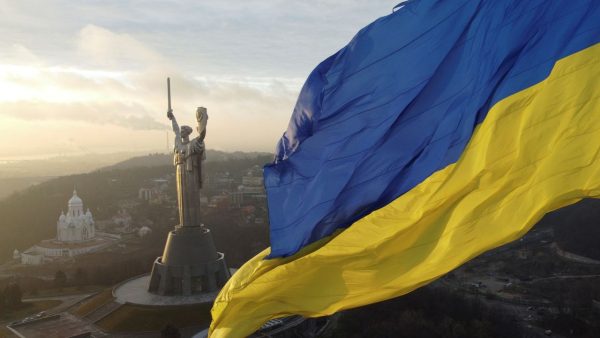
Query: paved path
x,y
66,301
134,291
63,325
102,311
564,277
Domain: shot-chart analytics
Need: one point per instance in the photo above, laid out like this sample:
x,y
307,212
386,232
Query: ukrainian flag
x,y
442,130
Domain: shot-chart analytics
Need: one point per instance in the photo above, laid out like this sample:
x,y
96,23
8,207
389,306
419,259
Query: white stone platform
x,y
135,291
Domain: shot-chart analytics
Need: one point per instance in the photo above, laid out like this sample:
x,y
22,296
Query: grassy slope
x,y
93,303
137,318
29,308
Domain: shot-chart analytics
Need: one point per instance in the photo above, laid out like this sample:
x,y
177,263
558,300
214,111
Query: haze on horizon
x,y
81,77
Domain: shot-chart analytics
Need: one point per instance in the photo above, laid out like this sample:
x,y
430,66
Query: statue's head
x,y
186,131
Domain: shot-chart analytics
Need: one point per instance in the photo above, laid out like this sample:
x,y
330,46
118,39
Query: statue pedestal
x,y
190,264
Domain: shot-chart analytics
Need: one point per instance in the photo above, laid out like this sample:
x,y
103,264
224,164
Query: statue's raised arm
x,y
175,127
202,118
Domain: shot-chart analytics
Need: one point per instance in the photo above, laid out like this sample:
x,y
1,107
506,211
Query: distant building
x,y
220,201
122,219
251,190
75,235
31,257
144,231
16,254
253,177
237,197
221,181
156,192
252,180
247,195
146,194
75,226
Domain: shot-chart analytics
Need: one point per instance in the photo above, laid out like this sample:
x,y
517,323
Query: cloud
x,y
106,49
254,110
20,54
104,64
106,113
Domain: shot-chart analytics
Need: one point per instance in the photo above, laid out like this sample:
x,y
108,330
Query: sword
x,y
169,91
170,111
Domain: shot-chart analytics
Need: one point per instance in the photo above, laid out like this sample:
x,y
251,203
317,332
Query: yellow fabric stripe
x,y
536,151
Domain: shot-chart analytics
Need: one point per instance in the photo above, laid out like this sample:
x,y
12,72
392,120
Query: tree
x,y
3,307
170,331
80,278
60,279
11,297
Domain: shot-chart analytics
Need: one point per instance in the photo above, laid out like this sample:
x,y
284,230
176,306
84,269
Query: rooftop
x,y
55,244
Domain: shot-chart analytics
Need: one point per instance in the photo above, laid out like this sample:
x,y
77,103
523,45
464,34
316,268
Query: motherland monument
x,y
190,263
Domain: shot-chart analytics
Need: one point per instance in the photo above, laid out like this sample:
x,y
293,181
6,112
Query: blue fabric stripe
x,y
401,102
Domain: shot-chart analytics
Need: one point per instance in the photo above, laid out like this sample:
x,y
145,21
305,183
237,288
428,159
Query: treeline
x,y
239,243
10,298
574,301
428,312
577,228
543,262
30,216
237,167
104,274
165,159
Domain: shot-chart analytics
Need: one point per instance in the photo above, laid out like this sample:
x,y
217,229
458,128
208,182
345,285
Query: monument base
x,y
190,264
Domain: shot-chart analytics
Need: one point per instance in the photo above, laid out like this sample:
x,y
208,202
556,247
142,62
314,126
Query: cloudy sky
x,y
89,76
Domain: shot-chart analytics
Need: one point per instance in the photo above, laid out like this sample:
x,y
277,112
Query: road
x,y
563,277
66,301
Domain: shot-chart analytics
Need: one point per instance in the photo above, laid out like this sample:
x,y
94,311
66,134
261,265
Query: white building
x,y
31,257
146,194
123,220
144,231
75,226
75,235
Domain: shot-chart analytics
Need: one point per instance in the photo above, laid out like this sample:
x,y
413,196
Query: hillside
x,y
60,165
10,185
30,215
20,174
577,228
156,160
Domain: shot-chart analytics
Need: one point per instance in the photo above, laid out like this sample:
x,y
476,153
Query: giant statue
x,y
189,155
190,263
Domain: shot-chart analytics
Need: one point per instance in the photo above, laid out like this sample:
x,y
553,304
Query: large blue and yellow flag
x,y
442,130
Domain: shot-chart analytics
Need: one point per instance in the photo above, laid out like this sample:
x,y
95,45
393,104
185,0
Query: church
x,y
75,235
75,226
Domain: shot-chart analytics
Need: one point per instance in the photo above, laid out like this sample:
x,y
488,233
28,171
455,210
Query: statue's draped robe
x,y
188,162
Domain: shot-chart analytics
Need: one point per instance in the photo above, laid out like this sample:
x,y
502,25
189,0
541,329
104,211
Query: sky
x,y
80,77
